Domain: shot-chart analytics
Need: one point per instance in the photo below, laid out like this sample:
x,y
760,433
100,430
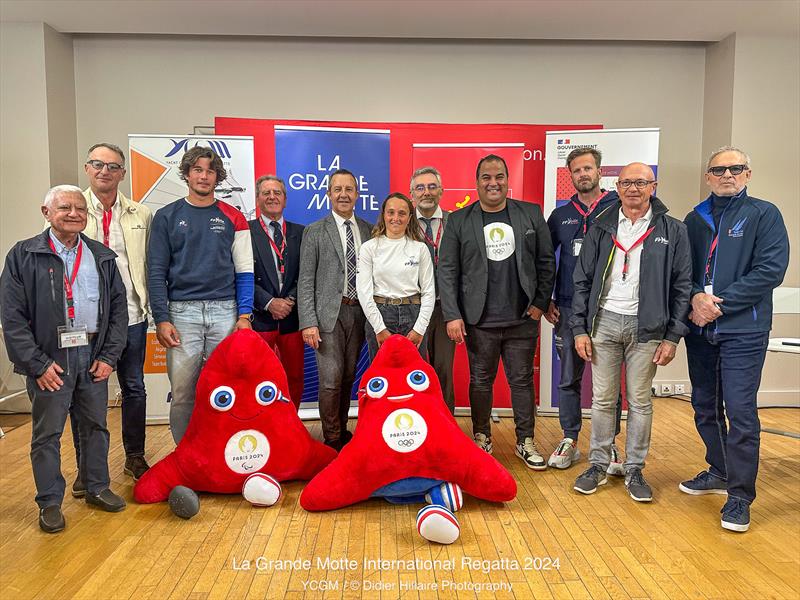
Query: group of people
x,y
630,282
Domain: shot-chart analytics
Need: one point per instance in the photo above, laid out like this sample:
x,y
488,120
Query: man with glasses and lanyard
x,y
740,252
123,226
568,226
632,283
276,251
426,191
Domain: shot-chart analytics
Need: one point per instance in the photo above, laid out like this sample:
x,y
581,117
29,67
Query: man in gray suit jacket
x,y
496,273
331,319
426,190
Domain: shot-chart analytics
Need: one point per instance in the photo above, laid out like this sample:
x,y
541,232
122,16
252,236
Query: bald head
x,y
635,186
637,170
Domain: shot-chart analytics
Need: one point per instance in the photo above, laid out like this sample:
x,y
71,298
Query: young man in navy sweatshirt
x,y
200,278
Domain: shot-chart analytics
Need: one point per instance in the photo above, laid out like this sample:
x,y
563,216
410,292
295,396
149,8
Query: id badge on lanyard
x,y
70,336
577,244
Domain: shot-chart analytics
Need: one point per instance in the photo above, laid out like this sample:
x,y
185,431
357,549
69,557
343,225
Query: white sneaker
x,y
529,454
484,442
616,467
564,455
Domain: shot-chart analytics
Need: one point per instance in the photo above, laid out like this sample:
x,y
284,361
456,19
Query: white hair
x,y
722,149
57,191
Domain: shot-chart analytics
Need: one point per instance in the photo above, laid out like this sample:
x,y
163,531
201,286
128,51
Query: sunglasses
x,y
734,169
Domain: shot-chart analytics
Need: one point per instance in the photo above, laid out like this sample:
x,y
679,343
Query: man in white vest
x,y
123,226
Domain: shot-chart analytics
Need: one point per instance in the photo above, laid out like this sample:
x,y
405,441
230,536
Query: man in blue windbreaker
x,y
740,252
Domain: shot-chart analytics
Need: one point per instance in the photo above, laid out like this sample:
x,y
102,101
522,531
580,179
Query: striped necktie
x,y
350,259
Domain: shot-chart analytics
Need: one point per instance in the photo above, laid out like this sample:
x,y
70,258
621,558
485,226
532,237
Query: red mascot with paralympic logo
x,y
408,448
244,435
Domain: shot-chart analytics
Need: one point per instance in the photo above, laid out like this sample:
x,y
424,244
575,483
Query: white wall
x,y
160,85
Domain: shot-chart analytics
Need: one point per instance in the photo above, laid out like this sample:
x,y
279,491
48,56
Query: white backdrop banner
x,y
619,147
155,176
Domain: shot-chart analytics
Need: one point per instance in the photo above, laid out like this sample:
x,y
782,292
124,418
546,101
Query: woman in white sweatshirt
x,y
395,277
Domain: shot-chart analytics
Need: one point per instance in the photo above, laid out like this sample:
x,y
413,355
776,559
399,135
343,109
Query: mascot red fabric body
x,y
407,447
243,423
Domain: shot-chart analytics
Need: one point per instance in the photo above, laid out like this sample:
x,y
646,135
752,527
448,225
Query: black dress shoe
x,y
136,466
78,487
51,519
346,437
106,500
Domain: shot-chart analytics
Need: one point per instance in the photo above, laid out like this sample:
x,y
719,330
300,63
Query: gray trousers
x,y
49,414
615,343
337,357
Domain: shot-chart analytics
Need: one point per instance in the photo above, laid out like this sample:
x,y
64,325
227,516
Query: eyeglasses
x,y
734,169
99,164
431,187
639,183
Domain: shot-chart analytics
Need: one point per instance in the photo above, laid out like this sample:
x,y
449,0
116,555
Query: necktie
x,y
429,236
277,236
350,259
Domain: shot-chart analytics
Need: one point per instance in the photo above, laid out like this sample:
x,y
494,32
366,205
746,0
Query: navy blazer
x,y
266,276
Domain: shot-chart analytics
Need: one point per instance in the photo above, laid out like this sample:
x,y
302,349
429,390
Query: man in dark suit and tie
x,y
276,252
496,274
331,319
427,190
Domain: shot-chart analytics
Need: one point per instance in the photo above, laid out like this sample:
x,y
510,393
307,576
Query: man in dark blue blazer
x,y
276,252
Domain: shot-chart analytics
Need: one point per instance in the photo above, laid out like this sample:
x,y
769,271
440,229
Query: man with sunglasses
x,y
740,252
123,226
631,296
426,191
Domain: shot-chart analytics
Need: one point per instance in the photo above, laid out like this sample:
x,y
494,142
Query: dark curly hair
x,y
194,154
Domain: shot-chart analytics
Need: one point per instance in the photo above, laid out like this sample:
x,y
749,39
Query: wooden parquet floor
x,y
548,543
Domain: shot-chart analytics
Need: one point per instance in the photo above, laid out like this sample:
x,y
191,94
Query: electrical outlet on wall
x,y
666,389
680,388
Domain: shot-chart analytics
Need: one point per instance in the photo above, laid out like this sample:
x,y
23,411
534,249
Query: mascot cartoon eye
x,y
376,387
222,398
267,392
418,380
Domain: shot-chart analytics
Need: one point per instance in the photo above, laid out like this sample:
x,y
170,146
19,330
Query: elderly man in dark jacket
x,y
632,284
65,318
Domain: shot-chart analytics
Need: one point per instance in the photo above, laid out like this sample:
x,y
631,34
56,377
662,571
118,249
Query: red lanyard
x,y
586,214
627,251
106,226
278,251
436,243
69,282
710,256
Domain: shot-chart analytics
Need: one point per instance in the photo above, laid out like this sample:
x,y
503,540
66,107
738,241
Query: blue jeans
x,y
49,414
615,342
517,346
130,373
398,318
725,371
569,387
201,325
